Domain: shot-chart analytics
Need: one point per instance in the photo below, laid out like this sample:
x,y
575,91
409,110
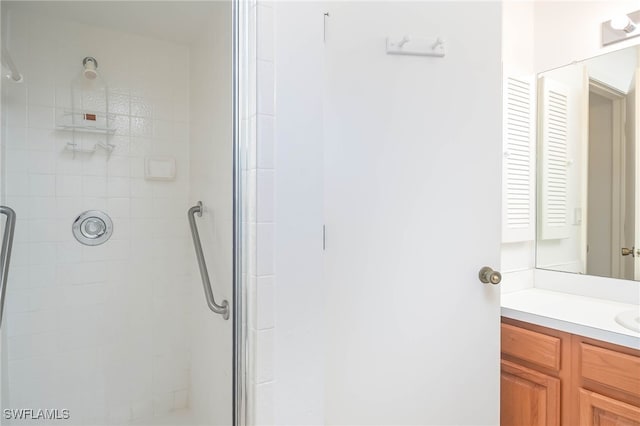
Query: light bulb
x,y
622,23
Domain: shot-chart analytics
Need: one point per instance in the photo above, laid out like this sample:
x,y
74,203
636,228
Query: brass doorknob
x,y
489,276
629,251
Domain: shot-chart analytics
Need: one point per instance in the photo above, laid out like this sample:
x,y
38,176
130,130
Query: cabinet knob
x,y
489,276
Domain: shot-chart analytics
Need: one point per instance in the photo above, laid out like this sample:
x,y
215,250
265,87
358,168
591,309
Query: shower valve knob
x,y
489,276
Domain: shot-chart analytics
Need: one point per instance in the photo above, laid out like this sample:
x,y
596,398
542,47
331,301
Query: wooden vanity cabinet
x,y
533,349
607,381
552,378
528,397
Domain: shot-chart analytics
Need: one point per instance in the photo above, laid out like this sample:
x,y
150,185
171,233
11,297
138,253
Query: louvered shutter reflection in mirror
x,y
553,214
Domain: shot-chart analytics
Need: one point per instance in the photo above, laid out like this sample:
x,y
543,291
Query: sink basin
x,y
629,319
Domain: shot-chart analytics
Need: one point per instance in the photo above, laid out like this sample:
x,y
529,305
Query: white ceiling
x,y
178,21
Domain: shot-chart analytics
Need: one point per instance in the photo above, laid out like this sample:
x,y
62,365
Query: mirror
x,y
588,182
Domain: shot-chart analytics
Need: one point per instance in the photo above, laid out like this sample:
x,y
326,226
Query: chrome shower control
x,y
92,228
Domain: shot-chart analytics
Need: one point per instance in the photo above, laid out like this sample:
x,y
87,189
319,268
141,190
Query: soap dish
x,y
160,168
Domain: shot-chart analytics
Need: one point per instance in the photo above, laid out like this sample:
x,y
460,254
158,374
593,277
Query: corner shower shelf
x,y
86,122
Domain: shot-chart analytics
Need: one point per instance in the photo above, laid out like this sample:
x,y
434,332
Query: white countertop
x,y
585,316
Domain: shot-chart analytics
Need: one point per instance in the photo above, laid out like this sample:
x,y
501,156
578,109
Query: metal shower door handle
x,y
222,309
5,254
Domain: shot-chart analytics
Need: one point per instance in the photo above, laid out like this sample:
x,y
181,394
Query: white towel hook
x,y
404,41
416,46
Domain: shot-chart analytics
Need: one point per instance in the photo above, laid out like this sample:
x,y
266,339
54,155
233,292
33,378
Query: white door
x,y
412,210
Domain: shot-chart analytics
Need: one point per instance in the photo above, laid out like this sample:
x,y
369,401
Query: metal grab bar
x,y
5,254
14,74
222,309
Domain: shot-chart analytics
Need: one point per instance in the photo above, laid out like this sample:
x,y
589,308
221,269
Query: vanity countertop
x,y
585,316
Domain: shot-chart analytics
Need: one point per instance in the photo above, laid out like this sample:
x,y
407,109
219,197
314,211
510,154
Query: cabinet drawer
x,y
531,346
613,369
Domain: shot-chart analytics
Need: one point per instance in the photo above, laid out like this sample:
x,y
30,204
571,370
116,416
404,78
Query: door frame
x,y
617,99
636,124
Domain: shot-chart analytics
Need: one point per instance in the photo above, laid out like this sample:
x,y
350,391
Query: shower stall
x,y
121,283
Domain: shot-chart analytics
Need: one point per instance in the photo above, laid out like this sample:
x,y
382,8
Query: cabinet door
x,y
598,410
528,397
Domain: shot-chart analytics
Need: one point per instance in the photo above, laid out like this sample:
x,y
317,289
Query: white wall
x,y
299,341
518,35
211,172
101,330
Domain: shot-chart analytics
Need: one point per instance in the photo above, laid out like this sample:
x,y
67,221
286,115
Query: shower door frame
x,y
243,39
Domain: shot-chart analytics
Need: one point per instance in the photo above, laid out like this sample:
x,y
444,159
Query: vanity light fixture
x,y
622,23
621,27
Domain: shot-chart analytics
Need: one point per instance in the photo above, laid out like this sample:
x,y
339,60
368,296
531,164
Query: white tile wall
x,y
265,314
264,404
98,330
262,173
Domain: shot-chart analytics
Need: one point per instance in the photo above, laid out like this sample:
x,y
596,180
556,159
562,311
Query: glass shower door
x,y
122,123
